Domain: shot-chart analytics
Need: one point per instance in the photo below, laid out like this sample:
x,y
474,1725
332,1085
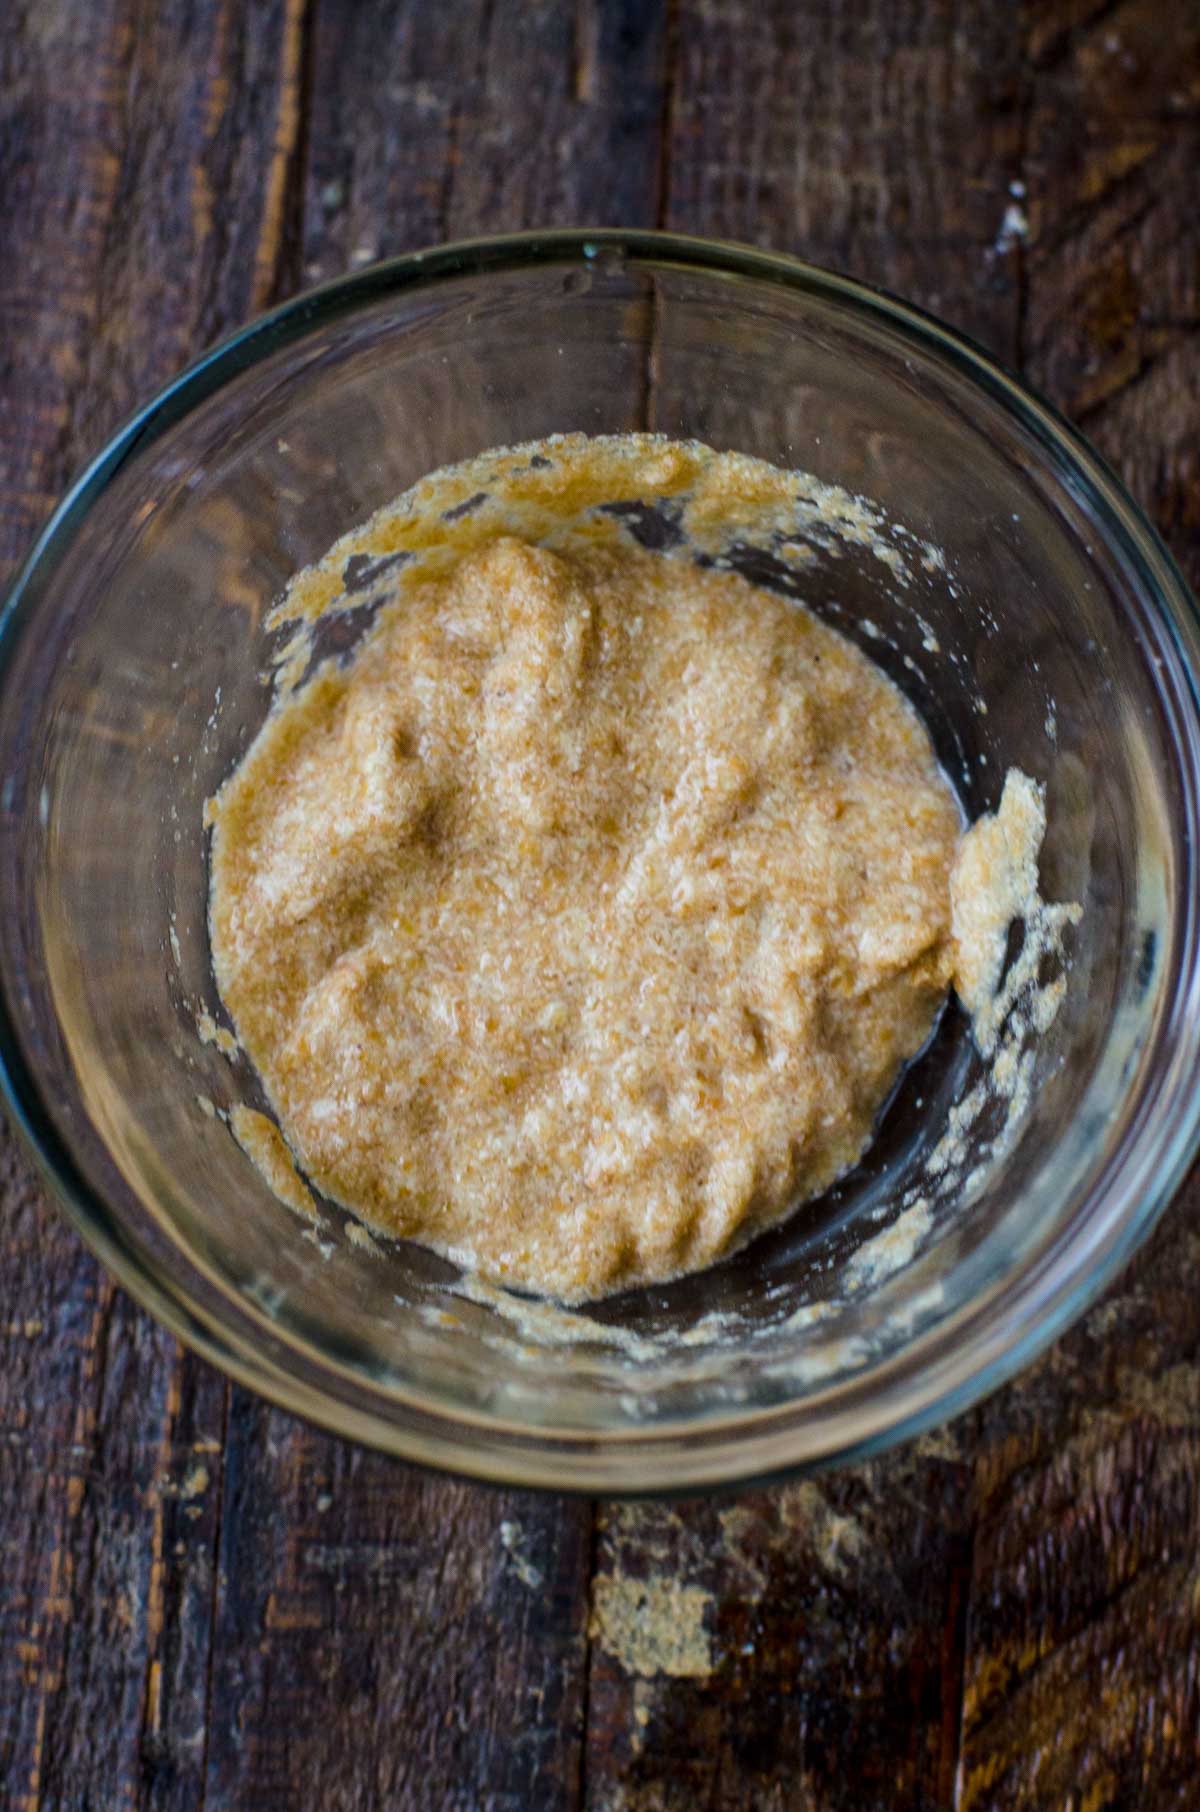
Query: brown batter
x,y
580,927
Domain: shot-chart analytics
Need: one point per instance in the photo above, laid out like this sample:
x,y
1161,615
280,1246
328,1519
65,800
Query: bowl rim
x,y
741,1447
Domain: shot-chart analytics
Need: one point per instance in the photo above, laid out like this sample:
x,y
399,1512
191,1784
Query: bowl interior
x,y
1016,614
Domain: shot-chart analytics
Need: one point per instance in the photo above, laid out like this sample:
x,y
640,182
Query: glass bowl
x,y
1041,624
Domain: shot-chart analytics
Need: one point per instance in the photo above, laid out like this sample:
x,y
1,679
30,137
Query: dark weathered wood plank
x,y
60,87
484,117
145,155
60,82
390,90
828,1619
387,1639
784,1650
1113,256
564,125
1080,1670
1081,1684
445,1623
874,136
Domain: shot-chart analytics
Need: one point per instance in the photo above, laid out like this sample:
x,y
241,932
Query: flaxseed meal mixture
x,y
580,924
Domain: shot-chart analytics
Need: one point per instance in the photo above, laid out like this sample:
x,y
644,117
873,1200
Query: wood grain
x,y
137,224
388,1639
882,140
1114,247
1081,1678
61,1510
817,1673
203,1602
454,143
875,136
452,1621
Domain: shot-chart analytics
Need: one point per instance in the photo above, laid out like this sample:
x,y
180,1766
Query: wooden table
x,y
204,1603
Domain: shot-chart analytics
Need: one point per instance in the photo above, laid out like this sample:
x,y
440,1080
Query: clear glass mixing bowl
x,y
1059,638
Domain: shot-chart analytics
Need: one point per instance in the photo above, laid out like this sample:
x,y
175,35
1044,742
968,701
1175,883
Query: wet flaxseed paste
x,y
579,925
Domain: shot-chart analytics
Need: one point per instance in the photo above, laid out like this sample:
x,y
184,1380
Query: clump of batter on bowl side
x,y
580,924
